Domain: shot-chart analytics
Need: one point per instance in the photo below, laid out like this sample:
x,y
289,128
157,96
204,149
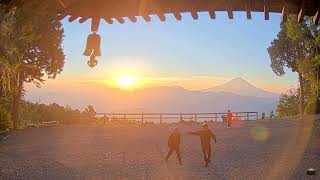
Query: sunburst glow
x,y
126,82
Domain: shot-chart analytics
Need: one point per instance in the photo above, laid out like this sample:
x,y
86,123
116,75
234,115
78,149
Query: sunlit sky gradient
x,y
195,54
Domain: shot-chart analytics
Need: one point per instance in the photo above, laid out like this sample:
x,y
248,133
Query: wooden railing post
x,y
142,118
160,118
195,117
248,116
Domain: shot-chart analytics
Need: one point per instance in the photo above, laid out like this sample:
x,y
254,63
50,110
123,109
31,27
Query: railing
x,y
4,135
176,117
50,123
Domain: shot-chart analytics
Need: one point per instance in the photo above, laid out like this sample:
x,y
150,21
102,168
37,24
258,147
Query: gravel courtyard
x,y
249,150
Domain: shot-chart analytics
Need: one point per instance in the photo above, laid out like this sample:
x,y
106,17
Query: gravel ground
x,y
249,150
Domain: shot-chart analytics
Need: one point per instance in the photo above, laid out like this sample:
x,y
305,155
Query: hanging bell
x,y
93,45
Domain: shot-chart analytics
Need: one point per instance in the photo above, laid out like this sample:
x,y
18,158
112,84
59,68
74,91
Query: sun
x,y
126,82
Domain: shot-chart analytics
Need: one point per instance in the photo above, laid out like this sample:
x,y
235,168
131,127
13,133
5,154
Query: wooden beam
x,y
212,14
95,24
316,17
146,18
194,15
301,15
177,15
162,17
212,8
82,20
266,9
301,11
248,8
284,11
61,16
72,18
120,20
132,19
63,4
229,9
108,20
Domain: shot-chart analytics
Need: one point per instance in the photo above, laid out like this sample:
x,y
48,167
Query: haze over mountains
x,y
237,95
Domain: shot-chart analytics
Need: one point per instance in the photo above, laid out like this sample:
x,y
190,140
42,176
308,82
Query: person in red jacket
x,y
229,118
205,137
174,145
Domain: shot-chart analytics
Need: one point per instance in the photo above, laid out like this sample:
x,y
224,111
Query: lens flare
x,y
260,133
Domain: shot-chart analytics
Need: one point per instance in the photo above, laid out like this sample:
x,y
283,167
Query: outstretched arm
x,y
213,137
197,133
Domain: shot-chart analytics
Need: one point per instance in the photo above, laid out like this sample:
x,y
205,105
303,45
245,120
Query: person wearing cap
x,y
205,137
174,145
229,118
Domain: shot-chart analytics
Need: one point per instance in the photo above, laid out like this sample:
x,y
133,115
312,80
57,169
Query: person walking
x,y
174,144
205,137
229,118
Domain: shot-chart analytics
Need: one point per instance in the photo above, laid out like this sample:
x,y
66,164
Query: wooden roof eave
x,y
117,9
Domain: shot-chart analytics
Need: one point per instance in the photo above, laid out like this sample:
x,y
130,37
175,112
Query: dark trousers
x,y
206,151
177,150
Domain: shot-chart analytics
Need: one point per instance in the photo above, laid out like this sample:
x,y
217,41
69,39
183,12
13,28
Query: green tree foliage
x,y
35,113
297,48
285,52
30,51
288,104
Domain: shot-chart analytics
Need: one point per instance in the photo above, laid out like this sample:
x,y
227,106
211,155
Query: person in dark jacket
x,y
205,137
174,144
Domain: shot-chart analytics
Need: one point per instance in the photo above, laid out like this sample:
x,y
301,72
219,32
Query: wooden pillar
x,y
195,117
160,118
248,116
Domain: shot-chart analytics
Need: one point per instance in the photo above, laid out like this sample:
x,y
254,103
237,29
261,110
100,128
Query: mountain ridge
x,y
164,99
242,87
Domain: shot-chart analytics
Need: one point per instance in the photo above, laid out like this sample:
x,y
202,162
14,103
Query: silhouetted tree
x,y
31,44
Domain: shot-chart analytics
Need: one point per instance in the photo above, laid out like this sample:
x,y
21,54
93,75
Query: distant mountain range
x,y
242,87
237,95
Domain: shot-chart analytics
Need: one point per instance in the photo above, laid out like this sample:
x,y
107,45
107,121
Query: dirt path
x,y
249,150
